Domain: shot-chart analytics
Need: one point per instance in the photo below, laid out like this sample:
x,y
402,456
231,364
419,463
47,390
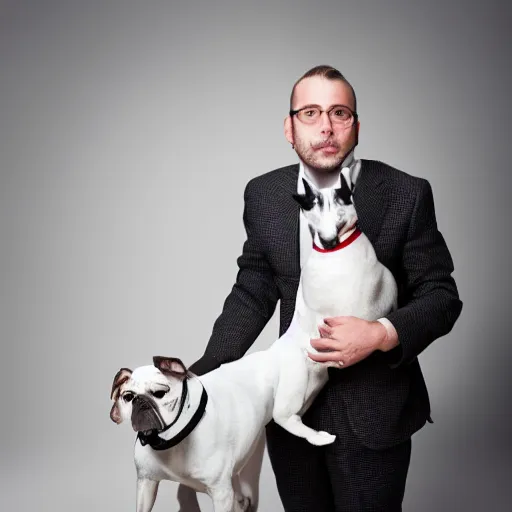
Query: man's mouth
x,y
326,147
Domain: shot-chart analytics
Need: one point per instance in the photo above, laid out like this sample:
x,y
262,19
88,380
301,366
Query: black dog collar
x,y
158,443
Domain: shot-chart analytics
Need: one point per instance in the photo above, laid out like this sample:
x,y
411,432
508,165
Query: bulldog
x,y
199,432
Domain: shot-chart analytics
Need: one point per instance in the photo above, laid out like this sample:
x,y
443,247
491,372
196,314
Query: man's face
x,y
310,140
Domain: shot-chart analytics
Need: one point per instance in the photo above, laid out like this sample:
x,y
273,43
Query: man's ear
x,y
288,130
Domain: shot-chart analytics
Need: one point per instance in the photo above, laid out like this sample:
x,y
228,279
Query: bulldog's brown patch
x,y
121,377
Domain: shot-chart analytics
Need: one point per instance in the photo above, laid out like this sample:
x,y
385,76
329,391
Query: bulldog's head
x,y
150,395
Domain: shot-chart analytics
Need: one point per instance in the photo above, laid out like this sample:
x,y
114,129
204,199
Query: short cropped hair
x,y
327,72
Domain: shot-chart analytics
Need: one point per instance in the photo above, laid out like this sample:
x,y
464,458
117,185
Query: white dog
x,y
201,431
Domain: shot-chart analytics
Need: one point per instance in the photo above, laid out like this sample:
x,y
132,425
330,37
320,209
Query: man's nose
x,y
325,123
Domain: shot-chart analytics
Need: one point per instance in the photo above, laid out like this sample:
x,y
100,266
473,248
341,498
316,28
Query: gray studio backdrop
x,y
128,131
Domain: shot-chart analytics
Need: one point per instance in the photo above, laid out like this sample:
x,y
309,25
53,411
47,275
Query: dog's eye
x,y
159,394
128,397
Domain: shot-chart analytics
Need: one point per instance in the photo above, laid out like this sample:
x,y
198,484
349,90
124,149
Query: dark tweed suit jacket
x,y
385,394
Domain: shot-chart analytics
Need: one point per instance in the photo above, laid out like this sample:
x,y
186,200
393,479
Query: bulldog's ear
x,y
121,377
115,413
307,200
170,366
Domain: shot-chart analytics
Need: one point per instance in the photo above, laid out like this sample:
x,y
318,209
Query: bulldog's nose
x,y
141,402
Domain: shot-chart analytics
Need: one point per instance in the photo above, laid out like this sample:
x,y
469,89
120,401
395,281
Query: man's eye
x,y
310,113
159,394
341,113
128,397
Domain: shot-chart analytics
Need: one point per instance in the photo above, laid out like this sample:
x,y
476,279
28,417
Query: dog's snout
x,y
142,402
145,415
330,243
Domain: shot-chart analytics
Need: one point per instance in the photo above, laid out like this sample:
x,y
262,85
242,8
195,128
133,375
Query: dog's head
x,y
149,395
330,212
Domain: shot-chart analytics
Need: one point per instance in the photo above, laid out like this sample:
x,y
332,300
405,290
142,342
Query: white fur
x,y
279,383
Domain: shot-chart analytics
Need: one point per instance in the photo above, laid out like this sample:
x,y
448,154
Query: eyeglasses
x,y
339,114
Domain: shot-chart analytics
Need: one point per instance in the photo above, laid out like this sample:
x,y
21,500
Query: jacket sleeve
x,y
251,302
432,302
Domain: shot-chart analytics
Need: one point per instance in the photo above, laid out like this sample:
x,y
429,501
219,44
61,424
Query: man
x,y
378,398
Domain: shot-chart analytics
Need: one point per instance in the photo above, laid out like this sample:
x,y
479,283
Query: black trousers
x,y
345,476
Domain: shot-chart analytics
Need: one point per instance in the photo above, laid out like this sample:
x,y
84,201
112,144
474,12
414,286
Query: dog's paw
x,y
321,438
244,504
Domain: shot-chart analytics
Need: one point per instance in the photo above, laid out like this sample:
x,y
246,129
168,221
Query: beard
x,y
309,153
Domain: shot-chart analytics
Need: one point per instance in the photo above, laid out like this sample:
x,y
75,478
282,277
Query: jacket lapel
x,y
288,226
370,199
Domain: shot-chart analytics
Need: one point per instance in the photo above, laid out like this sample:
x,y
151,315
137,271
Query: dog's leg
x,y
242,503
146,494
295,426
223,498
316,381
291,395
187,499
247,482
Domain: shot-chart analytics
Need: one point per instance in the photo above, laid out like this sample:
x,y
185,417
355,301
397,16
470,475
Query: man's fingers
x,y
326,356
335,320
324,344
325,332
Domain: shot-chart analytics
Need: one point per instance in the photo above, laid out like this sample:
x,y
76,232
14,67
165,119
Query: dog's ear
x,y
121,377
307,200
171,366
308,190
344,193
115,413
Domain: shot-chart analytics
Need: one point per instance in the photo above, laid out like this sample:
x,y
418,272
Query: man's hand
x,y
350,339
